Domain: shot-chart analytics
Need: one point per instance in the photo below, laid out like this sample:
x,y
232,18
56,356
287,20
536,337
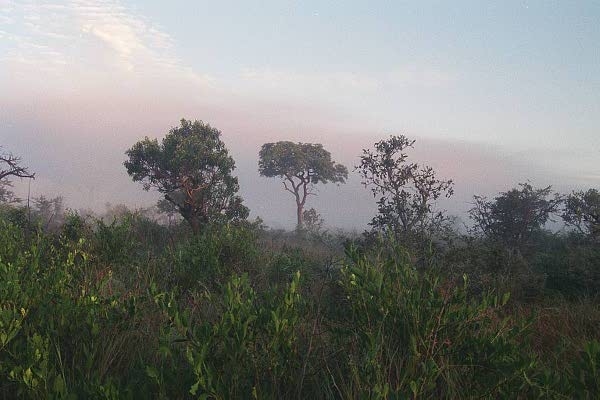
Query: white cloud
x,y
88,37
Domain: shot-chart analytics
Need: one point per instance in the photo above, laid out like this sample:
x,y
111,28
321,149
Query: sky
x,y
495,93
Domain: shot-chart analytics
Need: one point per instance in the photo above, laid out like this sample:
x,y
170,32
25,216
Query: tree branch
x,y
14,169
288,189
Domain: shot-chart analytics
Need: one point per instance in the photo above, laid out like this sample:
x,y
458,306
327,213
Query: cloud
x,y
132,39
86,40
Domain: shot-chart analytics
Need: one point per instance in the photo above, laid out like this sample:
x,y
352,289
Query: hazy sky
x,y
495,92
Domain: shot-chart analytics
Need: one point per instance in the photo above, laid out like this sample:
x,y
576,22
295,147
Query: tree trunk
x,y
300,215
195,224
194,221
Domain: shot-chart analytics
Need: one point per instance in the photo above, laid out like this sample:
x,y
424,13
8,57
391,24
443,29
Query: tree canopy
x,y
582,211
407,191
301,166
514,216
193,169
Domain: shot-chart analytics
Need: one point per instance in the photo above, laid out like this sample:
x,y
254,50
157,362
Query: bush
x,y
110,312
245,348
416,335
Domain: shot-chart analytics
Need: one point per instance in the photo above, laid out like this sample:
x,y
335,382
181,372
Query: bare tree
x,y
10,166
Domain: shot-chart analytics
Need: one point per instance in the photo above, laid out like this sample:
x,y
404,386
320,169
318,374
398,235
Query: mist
x,y
81,82
80,155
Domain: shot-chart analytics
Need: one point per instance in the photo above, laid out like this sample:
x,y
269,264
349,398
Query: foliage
x,y
406,192
15,214
6,195
127,308
48,212
62,335
245,350
418,336
193,169
569,265
582,211
301,165
313,222
516,216
215,253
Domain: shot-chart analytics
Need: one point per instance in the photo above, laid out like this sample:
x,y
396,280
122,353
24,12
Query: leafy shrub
x,y
247,349
210,257
416,335
112,311
60,335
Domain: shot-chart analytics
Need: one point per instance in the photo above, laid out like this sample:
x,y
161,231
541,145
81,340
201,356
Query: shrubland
x,y
130,308
199,302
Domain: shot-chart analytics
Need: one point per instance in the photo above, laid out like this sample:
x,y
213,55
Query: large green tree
x,y
193,169
300,166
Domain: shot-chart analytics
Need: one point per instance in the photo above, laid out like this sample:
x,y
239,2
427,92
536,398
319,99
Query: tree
x,y
10,165
582,211
166,208
313,222
515,216
407,191
301,166
192,168
50,212
6,195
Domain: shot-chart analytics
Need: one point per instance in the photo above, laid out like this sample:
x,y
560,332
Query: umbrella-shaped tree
x,y
300,166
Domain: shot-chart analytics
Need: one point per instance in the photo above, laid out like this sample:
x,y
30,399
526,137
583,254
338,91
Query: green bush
x,y
210,257
112,311
245,348
415,335
62,335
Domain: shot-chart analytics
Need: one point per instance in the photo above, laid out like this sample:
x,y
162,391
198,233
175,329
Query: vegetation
x,y
192,168
301,165
516,216
582,211
407,192
10,166
129,305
